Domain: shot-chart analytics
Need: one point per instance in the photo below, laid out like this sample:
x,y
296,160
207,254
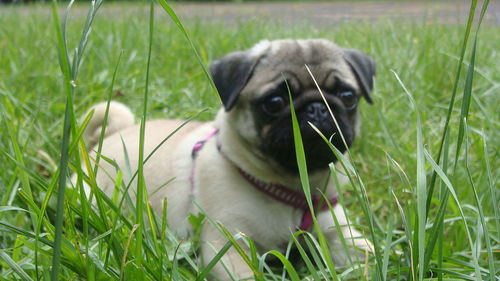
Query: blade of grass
x,y
407,227
233,239
141,185
387,134
421,184
69,124
64,61
442,209
303,255
482,221
491,182
127,247
17,230
204,273
106,115
464,113
92,183
451,190
350,169
335,220
300,153
361,190
304,178
23,175
183,30
315,251
470,21
83,199
154,235
94,6
14,266
162,231
294,276
387,250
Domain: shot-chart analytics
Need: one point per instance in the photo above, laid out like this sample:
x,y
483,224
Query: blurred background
x,y
318,12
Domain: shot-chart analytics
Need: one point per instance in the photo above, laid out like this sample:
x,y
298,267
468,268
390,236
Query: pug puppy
x,y
241,168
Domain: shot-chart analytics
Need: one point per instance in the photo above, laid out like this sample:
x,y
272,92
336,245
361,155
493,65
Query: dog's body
x,y
254,136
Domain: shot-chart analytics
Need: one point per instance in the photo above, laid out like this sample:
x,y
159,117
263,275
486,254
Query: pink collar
x,y
276,191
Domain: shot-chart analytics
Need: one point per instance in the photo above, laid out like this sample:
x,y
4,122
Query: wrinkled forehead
x,y
288,58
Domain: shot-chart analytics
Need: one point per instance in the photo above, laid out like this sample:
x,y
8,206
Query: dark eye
x,y
273,105
349,99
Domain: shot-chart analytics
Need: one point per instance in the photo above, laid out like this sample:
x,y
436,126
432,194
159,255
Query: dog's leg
x,y
354,240
213,242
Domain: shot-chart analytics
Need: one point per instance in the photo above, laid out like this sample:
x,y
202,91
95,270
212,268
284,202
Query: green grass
x,y
393,165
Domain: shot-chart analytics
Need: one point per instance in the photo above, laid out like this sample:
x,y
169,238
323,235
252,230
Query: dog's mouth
x,y
278,143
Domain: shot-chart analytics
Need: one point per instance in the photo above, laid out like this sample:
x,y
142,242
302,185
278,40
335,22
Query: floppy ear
x,y
230,74
363,67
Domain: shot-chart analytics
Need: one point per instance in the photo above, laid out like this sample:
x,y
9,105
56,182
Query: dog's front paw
x,y
354,249
347,255
363,244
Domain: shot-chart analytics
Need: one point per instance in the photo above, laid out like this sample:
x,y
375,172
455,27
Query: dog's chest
x,y
277,224
239,205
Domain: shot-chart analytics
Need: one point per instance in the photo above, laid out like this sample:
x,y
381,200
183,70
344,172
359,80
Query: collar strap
x,y
194,152
290,197
276,191
199,145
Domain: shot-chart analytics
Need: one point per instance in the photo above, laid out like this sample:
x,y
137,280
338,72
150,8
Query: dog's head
x,y
254,87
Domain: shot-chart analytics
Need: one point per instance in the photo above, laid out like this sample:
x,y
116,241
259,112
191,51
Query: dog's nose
x,y
317,111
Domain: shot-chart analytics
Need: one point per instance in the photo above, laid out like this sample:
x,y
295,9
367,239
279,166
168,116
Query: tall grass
x,y
416,149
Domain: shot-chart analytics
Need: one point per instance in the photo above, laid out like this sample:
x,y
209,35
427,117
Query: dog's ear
x,y
231,74
363,67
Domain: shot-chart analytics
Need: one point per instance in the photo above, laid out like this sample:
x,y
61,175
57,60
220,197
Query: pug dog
x,y
241,169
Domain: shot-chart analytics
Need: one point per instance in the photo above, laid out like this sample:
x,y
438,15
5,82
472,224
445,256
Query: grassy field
x,y
453,236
